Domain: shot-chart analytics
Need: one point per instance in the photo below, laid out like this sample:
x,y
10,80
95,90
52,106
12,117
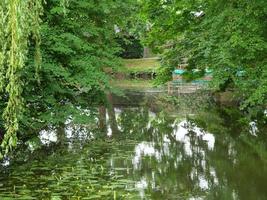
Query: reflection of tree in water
x,y
238,157
134,122
206,156
107,118
111,115
127,122
195,164
102,118
178,167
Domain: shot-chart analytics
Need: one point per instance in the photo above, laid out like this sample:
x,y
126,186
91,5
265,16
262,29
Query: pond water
x,y
208,154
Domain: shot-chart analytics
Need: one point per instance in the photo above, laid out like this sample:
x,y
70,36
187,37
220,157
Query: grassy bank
x,y
136,66
136,84
140,65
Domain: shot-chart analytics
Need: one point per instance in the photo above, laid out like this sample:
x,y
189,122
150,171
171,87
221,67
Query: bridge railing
x,y
181,87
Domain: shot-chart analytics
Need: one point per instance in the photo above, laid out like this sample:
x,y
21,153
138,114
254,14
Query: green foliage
x,y
132,47
130,34
76,46
76,41
228,37
19,21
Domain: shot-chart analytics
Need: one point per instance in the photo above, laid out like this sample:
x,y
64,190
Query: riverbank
x,y
133,84
138,75
140,71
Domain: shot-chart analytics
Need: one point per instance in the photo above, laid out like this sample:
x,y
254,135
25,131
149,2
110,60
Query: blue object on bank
x,y
178,71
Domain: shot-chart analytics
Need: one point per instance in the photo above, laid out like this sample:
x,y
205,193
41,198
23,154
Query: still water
x,y
209,154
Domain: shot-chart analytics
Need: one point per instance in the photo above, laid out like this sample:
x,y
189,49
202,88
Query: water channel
x,y
207,153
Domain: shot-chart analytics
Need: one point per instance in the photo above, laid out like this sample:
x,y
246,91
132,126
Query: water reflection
x,y
171,151
47,136
147,155
253,129
182,133
180,158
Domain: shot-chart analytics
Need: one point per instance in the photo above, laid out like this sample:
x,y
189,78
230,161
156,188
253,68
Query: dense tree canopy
x,y
228,37
53,53
68,50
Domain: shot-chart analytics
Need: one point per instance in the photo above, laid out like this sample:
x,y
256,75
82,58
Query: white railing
x,y
177,88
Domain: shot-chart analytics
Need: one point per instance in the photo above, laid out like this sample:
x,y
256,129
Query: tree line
x,y
53,53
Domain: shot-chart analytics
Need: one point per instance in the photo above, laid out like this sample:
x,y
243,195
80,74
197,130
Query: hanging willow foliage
x,y
2,45
20,20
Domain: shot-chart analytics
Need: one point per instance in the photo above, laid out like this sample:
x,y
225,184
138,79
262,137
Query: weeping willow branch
x,y
2,45
15,60
19,21
37,8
